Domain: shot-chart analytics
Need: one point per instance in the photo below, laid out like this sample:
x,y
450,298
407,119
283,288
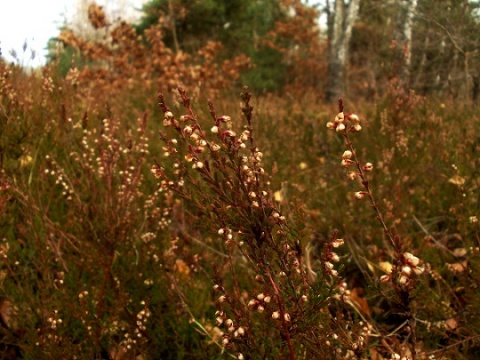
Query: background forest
x,y
237,179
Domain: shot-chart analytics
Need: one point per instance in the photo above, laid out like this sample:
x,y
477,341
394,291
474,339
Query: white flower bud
x,y
418,270
347,154
368,167
403,279
357,127
354,118
413,260
359,195
407,270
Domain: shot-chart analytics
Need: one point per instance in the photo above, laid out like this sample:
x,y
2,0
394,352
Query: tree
x,y
404,38
340,25
446,56
239,25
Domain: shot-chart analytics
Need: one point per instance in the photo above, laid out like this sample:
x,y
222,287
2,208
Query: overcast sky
x,y
36,21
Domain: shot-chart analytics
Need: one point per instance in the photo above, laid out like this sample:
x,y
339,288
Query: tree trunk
x,y
342,20
404,38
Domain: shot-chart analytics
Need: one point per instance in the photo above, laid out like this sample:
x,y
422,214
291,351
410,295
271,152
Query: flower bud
x,y
411,259
359,195
407,270
347,154
354,118
418,270
357,127
368,167
385,278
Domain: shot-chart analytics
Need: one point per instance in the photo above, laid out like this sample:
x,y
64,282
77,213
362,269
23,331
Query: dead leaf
x,y
7,313
356,296
182,267
451,324
459,267
459,252
374,355
457,180
386,267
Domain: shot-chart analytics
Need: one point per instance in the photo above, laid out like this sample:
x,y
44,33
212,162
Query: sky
x,y
36,21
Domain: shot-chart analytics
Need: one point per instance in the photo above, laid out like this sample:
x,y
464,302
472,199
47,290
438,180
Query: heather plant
x,y
259,234
375,313
123,62
83,259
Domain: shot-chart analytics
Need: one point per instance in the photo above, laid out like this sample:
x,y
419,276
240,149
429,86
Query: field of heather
x,y
160,203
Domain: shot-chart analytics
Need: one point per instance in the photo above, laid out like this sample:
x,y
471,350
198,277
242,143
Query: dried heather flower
x,y
337,243
276,315
418,270
340,127
215,147
360,195
229,323
347,162
368,167
340,117
402,279
352,175
347,154
214,129
411,259
286,317
230,133
354,118
385,278
334,257
407,270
